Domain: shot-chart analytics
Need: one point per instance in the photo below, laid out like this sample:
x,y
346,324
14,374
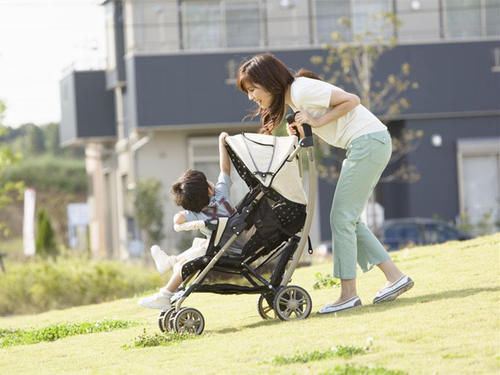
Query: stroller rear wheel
x,y
265,309
292,302
163,319
189,320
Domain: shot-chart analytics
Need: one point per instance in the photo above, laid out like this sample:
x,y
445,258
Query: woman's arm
x,y
224,163
341,102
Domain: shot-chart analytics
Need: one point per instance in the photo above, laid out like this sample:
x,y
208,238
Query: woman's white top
x,y
313,96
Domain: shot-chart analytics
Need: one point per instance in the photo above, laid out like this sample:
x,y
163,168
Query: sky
x,y
39,42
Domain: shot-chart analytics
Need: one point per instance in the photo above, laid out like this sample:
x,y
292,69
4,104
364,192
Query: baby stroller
x,y
278,214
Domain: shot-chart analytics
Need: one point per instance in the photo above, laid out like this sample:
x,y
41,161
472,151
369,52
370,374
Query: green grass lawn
x,y
447,324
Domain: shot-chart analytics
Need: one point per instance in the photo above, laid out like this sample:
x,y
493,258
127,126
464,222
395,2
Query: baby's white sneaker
x,y
156,301
163,261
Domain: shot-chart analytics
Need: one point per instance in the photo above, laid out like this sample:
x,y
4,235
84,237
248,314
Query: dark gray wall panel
x,y
88,109
95,105
437,190
191,88
454,77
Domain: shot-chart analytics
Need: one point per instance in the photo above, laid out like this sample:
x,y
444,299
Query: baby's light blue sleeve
x,y
192,216
222,186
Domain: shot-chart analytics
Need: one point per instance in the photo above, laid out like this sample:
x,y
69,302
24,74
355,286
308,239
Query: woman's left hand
x,y
305,118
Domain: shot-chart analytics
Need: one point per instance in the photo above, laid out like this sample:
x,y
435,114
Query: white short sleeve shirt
x,y
313,96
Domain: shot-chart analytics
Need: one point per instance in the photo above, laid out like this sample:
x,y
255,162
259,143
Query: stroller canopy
x,y
266,156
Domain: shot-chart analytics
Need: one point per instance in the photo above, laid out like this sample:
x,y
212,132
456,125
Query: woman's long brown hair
x,y
270,73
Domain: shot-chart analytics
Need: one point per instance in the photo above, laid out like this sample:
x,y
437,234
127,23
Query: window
x,y
463,18
492,17
219,24
328,13
203,155
360,13
472,18
363,13
242,24
479,178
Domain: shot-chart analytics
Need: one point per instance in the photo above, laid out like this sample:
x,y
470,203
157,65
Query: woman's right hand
x,y
291,129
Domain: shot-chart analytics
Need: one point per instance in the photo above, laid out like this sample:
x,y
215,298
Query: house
x,y
169,89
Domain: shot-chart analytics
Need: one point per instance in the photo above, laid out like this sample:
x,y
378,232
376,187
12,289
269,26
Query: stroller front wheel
x,y
189,320
292,303
265,309
163,319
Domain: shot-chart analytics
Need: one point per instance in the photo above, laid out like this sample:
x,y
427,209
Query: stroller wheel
x,y
265,309
292,302
163,319
189,320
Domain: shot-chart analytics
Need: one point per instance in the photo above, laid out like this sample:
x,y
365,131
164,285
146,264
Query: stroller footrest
x,y
231,289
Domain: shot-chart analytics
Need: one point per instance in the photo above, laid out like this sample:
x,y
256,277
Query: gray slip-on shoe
x,y
392,291
332,308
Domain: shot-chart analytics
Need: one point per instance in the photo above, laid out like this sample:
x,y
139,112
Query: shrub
x,y
45,241
49,173
325,281
149,210
44,284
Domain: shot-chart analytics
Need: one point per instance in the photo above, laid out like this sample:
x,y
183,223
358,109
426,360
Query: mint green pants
x,y
353,242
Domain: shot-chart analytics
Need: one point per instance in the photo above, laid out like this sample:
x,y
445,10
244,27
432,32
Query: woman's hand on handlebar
x,y
305,118
292,128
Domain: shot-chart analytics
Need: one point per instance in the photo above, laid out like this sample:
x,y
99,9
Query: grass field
x,y
447,324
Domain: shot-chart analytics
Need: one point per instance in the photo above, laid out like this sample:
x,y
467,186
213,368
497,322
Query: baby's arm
x,y
179,218
181,223
224,163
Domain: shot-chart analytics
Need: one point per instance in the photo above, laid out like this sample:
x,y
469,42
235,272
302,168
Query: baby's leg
x,y
176,279
198,249
163,261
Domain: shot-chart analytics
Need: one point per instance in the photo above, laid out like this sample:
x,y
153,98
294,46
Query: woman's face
x,y
259,95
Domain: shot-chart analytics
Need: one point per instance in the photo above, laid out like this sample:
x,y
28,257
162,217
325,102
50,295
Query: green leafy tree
x,y
352,63
45,240
11,190
149,210
51,138
34,141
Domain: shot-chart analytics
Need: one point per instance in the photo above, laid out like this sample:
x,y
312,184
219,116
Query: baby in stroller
x,y
201,200
276,213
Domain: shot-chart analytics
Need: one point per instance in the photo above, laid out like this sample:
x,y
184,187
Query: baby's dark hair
x,y
306,73
190,191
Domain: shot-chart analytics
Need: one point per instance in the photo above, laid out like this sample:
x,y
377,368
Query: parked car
x,y
398,233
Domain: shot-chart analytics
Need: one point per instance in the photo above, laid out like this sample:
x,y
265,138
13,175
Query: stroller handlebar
x,y
307,141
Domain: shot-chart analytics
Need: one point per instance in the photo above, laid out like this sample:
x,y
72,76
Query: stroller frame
x,y
275,294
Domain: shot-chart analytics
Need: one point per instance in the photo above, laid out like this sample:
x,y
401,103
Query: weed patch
x,y
325,281
339,351
165,339
59,331
361,370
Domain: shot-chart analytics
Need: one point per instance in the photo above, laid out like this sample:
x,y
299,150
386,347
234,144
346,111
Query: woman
x,y
340,120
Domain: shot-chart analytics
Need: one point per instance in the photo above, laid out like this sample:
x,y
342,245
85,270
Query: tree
x,y
34,141
45,242
51,138
149,210
352,62
12,190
